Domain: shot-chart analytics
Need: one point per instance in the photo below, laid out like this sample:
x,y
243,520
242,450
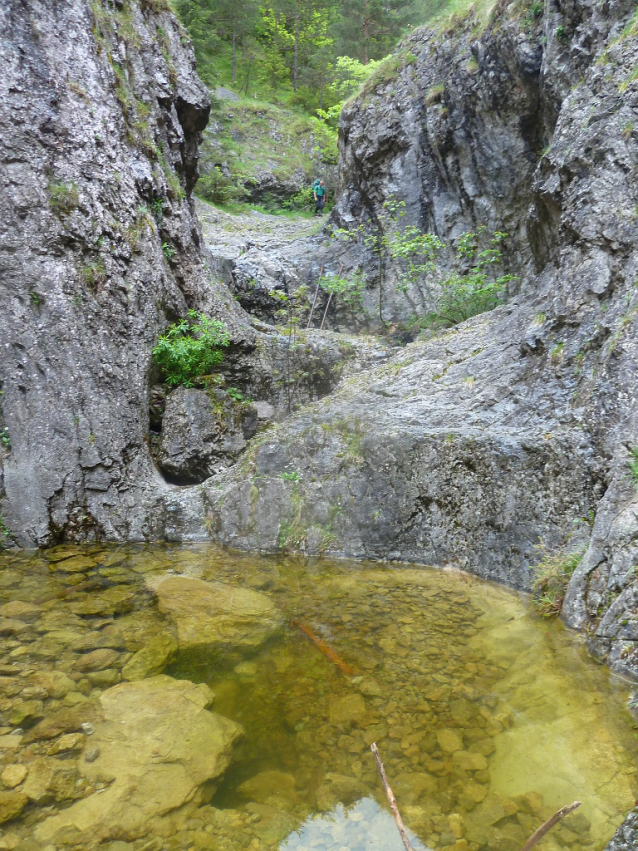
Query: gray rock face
x,y
99,248
202,433
467,448
626,837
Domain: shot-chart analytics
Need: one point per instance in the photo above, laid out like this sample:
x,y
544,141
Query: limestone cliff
x,y
465,449
516,426
101,115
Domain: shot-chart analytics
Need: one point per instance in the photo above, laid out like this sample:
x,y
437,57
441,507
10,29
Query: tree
x,y
372,27
208,21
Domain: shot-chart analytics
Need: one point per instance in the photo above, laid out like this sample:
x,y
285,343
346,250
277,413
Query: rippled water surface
x,y
487,718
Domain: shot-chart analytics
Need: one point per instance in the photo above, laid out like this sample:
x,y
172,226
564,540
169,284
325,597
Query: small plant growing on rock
x,y
168,251
5,440
551,578
63,197
94,273
633,465
191,348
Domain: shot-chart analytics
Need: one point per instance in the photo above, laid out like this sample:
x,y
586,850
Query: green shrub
x,y
476,291
551,578
349,290
63,197
190,348
302,200
219,188
5,440
633,465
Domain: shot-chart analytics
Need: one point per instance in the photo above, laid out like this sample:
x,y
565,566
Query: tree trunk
x,y
234,52
295,80
366,33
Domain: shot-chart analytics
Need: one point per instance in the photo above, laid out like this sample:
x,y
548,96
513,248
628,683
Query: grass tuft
x,y
551,578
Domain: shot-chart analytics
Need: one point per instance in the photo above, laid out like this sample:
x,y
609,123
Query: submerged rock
x,y
158,744
151,659
217,616
11,805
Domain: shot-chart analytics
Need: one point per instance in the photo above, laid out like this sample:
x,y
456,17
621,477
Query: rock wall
x,y
518,425
101,114
466,449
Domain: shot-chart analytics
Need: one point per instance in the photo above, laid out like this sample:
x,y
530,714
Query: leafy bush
x,y
219,188
349,290
633,465
190,348
476,291
551,578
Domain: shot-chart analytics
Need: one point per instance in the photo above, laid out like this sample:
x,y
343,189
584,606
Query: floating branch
x,y
392,800
338,661
536,837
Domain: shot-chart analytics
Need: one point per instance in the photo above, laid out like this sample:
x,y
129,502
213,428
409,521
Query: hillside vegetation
x,y
279,74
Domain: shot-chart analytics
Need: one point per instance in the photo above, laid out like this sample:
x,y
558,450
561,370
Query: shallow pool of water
x,y
488,719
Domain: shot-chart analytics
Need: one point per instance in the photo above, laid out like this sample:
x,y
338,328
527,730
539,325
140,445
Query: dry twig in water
x,y
536,837
391,799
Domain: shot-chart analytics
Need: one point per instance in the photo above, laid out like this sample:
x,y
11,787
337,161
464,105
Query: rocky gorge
x,y
464,448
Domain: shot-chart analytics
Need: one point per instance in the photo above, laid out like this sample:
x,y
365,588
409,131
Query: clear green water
x,y
487,718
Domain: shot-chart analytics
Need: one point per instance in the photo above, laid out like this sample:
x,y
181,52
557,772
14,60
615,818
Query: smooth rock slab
x,y
217,616
157,745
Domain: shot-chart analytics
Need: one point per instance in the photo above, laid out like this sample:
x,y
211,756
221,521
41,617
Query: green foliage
x,y
456,297
94,273
219,188
290,477
168,251
235,394
551,578
4,533
349,291
561,33
157,209
63,197
5,440
633,465
190,348
536,9
476,291
36,298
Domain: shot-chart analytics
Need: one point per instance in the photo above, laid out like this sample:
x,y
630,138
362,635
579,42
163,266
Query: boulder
x,y
158,744
202,432
217,616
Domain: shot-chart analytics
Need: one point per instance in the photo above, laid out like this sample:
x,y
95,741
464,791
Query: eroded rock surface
x,y
202,433
158,744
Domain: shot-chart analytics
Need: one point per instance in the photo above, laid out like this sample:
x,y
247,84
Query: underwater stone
x,y
217,616
157,744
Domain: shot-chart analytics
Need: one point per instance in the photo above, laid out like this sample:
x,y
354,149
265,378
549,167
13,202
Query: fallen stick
x,y
391,799
338,661
536,837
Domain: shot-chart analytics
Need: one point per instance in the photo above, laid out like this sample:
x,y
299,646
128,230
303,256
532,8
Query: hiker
x,y
319,191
